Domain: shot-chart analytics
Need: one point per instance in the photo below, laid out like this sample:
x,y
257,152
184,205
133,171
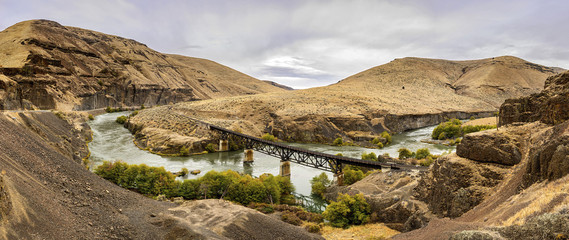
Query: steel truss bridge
x,y
323,161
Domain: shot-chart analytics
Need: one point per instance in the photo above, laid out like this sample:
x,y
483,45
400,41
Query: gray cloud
x,y
314,43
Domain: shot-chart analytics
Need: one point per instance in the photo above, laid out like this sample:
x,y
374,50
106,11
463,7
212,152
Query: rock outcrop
x,y
491,146
390,196
454,185
548,106
48,66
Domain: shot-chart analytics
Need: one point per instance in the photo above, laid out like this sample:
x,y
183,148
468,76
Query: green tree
x,y
369,156
210,148
268,137
121,119
405,153
348,210
422,153
338,142
319,184
387,137
352,174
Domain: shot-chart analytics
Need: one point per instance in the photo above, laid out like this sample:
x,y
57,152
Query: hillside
x,y
49,66
46,193
404,94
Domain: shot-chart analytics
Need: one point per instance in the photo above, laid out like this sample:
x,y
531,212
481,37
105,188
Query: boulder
x,y
491,146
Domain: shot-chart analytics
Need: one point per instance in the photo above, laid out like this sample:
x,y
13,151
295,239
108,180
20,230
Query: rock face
x,y
548,106
455,185
490,146
550,159
48,66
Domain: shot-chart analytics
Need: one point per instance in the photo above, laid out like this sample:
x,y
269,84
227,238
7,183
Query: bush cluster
x,y
352,174
319,184
338,142
348,210
210,148
387,137
454,129
121,119
112,110
228,185
422,154
268,137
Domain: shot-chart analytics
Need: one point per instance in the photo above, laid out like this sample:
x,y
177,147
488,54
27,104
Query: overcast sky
x,y
313,43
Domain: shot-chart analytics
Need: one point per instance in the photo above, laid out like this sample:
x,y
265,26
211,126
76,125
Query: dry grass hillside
x,y
46,65
404,94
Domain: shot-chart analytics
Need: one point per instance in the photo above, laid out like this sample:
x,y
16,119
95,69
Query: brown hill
x,y
46,193
404,94
46,65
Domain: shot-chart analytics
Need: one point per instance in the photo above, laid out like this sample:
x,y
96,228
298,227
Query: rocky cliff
x,y
46,65
548,106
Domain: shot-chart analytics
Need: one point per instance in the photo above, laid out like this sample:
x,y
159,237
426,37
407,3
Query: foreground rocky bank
x,y
46,193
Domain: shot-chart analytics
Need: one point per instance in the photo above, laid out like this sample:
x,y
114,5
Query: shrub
x,y
142,106
348,211
380,145
134,113
427,161
387,137
422,153
91,117
210,147
369,156
121,119
312,228
268,137
338,142
60,115
339,154
184,151
454,129
184,172
472,118
451,129
404,153
352,175
290,217
319,184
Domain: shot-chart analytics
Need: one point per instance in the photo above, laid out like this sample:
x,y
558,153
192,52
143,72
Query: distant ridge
x,y
49,66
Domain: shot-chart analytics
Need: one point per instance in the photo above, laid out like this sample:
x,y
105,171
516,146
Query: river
x,y
111,142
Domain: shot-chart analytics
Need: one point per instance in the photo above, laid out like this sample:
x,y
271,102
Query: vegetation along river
x,y
112,142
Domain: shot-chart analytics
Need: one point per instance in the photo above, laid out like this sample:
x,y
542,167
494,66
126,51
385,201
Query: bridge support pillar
x,y
339,178
285,169
223,145
248,156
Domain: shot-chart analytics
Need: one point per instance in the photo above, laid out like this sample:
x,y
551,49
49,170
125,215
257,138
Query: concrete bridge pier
x,y
248,156
223,145
285,168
